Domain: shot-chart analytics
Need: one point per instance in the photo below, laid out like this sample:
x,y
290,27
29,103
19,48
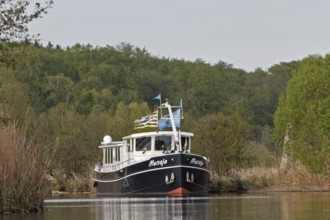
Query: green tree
x,y
59,89
14,101
69,131
303,114
123,122
223,139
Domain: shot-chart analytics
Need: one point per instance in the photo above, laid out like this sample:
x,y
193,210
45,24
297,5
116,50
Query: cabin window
x,y
163,143
143,144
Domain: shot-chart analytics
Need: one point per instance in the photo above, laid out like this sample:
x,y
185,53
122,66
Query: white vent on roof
x,y
107,139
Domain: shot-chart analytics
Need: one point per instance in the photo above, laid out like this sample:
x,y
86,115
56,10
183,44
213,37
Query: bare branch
x,y
15,15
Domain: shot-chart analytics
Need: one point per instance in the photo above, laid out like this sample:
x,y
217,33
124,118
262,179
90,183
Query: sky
x,y
248,34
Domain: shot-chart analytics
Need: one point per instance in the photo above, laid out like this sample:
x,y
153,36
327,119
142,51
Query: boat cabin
x,y
141,146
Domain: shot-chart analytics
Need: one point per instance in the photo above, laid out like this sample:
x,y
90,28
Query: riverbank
x,y
295,177
258,179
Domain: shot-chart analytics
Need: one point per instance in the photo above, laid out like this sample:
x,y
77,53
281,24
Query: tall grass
x,y
296,177
245,179
23,185
74,184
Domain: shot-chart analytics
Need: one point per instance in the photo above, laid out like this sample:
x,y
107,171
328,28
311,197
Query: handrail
x,y
111,167
113,144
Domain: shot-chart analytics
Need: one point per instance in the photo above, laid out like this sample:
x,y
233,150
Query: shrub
x,y
23,184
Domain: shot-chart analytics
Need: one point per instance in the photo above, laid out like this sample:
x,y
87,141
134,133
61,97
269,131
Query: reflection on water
x,y
125,208
153,208
287,206
276,205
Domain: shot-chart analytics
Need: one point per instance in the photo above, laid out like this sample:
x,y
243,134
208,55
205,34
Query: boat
x,y
155,162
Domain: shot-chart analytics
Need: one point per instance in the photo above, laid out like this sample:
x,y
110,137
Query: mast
x,y
175,133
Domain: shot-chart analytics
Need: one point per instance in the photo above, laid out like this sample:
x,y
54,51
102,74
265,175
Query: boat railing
x,y
113,167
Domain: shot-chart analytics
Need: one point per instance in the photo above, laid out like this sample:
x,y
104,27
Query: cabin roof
x,y
155,133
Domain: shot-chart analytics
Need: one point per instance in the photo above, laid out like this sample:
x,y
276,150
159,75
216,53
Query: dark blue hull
x,y
172,174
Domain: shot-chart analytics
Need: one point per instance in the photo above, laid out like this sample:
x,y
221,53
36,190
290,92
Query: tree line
x,y
69,98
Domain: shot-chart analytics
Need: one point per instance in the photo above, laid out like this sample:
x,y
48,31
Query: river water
x,y
273,205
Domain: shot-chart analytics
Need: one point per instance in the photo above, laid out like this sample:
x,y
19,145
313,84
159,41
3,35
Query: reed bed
x,y
74,184
254,178
23,185
295,177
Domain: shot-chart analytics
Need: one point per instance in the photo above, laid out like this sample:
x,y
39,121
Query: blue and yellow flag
x,y
149,121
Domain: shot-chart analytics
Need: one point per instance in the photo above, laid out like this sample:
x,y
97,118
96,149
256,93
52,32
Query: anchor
x,y
170,181
189,179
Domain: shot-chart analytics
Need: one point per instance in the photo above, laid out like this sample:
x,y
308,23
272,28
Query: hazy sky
x,y
245,33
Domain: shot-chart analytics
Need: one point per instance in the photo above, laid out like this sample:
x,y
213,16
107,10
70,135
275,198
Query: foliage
x,y
74,96
122,122
15,15
304,114
223,139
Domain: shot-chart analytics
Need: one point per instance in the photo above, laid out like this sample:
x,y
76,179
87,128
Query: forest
x,y
69,98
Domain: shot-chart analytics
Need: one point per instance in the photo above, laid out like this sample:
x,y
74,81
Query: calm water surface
x,y
287,206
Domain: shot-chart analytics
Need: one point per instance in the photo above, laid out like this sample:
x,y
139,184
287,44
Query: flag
x,y
177,117
147,121
158,97
165,121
